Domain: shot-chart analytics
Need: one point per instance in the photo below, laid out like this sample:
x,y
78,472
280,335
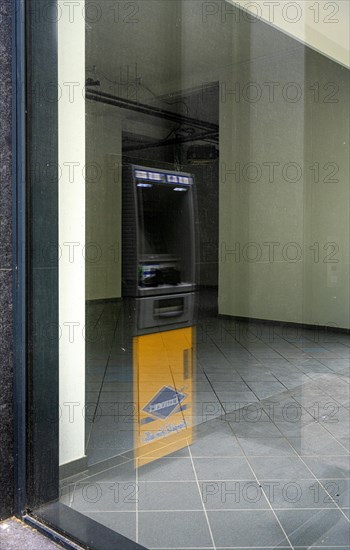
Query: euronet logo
x,y
164,403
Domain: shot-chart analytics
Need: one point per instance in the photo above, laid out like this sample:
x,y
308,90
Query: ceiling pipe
x,y
115,101
173,141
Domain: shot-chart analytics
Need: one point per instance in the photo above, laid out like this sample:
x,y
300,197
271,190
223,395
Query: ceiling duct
x,y
202,154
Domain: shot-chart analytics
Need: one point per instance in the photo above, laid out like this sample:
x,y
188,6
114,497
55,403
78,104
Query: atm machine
x,y
158,281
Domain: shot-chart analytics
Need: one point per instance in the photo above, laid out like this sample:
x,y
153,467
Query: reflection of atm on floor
x,y
158,258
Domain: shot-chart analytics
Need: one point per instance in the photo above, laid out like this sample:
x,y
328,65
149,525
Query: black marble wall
x,y
6,362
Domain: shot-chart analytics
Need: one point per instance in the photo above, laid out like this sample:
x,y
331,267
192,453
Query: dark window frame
x,y
35,131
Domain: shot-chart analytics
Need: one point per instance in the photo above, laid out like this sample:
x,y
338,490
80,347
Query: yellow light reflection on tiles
x,y
164,367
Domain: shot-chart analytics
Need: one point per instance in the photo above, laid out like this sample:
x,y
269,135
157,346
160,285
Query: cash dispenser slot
x,y
168,307
163,311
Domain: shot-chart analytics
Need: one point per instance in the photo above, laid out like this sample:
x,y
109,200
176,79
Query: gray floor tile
x,y
98,455
339,429
206,397
124,412
216,442
249,529
118,376
281,467
266,389
180,453
227,375
312,371
173,495
105,497
202,386
235,406
231,495
167,469
313,547
236,396
123,472
228,386
111,387
315,528
260,375
326,467
312,400
325,445
345,442
336,364
206,408
118,396
206,405
121,522
315,366
92,386
106,428
292,381
294,429
174,530
338,490
243,363
214,468
283,408
255,429
302,493
253,413
110,436
276,446
91,396
196,420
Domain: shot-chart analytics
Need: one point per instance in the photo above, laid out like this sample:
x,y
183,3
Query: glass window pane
x,y
200,209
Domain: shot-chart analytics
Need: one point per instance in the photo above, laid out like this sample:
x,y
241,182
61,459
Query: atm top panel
x,y
155,176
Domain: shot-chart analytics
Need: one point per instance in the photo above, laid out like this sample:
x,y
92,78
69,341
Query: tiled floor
x,y
269,467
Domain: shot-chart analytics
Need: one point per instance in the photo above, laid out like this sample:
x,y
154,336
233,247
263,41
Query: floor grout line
x,y
259,361
232,547
269,478
224,547
242,455
200,494
269,504
200,511
137,501
322,426
345,547
317,480
346,517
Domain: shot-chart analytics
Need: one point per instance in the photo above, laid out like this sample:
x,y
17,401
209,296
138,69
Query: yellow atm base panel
x,y
163,372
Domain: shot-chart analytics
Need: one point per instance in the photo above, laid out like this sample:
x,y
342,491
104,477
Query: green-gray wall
x,y
103,202
305,212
